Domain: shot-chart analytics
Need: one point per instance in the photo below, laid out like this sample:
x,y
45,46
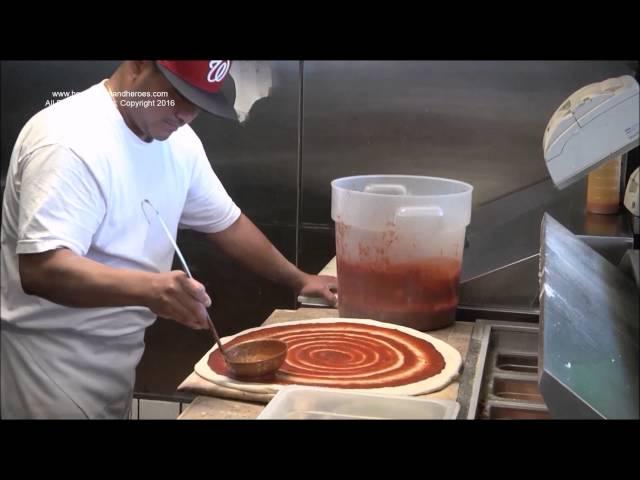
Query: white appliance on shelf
x,y
596,123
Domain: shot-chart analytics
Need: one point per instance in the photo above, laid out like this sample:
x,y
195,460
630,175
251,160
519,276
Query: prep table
x,y
206,407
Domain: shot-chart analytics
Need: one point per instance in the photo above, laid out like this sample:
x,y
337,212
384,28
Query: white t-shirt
x,y
76,179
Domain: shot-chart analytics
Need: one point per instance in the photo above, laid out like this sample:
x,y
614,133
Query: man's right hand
x,y
176,296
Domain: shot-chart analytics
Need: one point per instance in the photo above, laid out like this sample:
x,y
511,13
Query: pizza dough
x,y
349,354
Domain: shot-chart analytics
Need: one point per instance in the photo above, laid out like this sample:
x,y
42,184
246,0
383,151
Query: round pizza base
x,y
452,358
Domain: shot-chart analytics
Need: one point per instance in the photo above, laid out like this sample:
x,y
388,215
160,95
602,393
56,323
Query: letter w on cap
x,y
218,69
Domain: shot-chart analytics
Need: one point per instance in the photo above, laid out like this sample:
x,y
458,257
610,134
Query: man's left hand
x,y
324,286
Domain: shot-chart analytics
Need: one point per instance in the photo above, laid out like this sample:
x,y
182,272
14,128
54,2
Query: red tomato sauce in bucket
x,y
421,294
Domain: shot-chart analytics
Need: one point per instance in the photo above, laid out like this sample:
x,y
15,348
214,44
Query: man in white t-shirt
x,y
83,272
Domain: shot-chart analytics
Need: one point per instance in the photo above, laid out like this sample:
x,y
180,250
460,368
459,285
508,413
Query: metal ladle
x,y
250,359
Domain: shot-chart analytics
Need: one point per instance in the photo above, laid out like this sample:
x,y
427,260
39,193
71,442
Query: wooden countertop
x,y
206,407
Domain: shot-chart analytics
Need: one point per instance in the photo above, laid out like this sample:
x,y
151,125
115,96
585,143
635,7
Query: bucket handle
x,y
417,212
425,217
386,188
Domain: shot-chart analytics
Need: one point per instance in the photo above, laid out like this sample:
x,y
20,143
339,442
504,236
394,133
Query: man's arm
x,y
244,242
63,277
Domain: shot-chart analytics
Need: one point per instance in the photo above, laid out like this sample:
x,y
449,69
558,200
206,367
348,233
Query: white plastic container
x,y
399,247
314,403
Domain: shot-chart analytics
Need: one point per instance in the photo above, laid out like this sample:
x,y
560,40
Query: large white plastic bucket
x,y
399,247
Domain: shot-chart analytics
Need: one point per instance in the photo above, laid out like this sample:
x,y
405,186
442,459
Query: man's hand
x,y
324,286
176,296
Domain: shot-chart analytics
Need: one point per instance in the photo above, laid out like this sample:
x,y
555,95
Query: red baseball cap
x,y
205,83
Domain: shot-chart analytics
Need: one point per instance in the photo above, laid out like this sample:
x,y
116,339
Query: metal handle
x,y
169,236
184,264
312,301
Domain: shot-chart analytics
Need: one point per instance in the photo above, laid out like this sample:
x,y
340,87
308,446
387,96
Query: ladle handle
x,y
216,336
184,265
